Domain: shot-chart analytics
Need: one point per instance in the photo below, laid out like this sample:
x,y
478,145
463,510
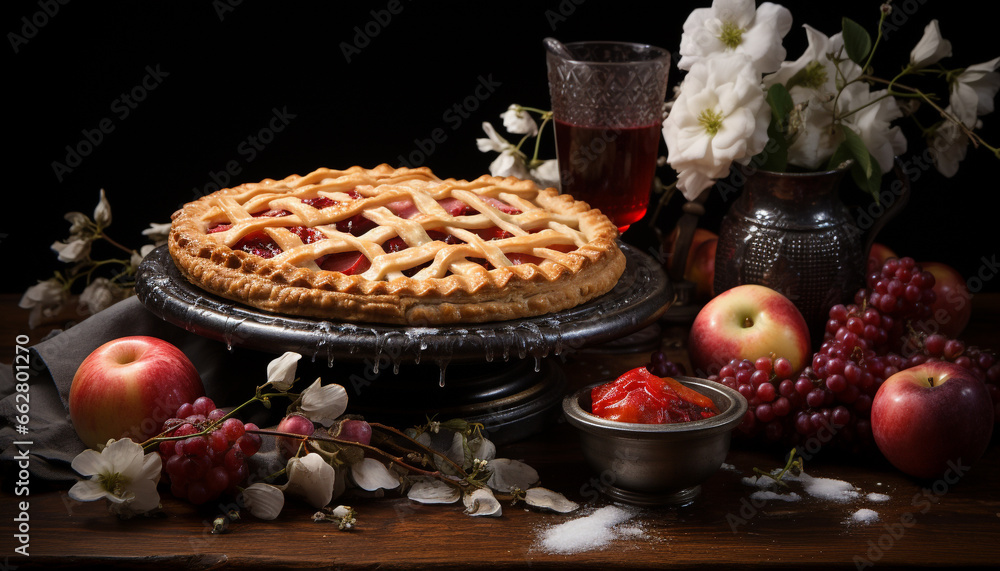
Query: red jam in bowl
x,y
641,397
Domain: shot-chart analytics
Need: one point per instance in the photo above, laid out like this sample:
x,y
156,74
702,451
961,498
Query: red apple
x,y
952,309
932,417
878,255
701,268
128,387
747,322
700,235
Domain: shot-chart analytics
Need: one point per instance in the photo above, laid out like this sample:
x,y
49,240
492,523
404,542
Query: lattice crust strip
x,y
395,240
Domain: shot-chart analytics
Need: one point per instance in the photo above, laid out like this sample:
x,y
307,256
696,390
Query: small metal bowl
x,y
656,464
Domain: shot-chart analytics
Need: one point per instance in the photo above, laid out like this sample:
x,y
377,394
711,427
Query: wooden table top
x,y
944,523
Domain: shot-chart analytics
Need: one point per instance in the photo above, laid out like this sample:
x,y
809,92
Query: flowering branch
x,y
47,298
820,111
512,160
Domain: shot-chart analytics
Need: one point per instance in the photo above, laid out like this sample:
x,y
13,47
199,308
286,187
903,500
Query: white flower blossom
x,y
816,137
948,145
931,48
264,501
868,113
78,224
73,251
120,473
546,174
518,121
157,233
45,299
102,212
876,111
719,117
736,26
511,161
311,478
323,404
815,73
99,295
281,371
973,91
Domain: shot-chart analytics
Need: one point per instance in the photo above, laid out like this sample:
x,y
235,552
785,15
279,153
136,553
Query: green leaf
x,y
774,157
840,155
870,183
857,42
857,150
781,104
865,169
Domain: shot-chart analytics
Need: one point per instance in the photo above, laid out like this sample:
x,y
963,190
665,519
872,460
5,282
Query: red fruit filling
x,y
270,213
262,214
642,397
347,263
319,202
355,225
493,233
258,244
501,206
307,235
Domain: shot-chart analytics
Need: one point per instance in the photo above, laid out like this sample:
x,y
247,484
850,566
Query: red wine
x,y
610,168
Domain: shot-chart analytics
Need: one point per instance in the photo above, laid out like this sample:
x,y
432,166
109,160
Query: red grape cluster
x,y
770,392
900,289
202,467
864,343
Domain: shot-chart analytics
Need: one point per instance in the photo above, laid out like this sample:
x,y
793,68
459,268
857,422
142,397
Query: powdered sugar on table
x,y
591,532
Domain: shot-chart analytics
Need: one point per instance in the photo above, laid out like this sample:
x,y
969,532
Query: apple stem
x,y
747,323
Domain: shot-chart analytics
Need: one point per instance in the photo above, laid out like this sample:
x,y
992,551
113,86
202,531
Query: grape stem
x,y
161,437
792,462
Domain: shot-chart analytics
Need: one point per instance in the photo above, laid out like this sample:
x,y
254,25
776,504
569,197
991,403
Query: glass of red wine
x,y
607,103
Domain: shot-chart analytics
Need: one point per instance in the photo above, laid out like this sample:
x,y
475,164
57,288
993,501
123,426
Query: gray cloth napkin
x,y
50,444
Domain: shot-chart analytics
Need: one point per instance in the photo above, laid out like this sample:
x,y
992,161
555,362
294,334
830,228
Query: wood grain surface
x,y
942,523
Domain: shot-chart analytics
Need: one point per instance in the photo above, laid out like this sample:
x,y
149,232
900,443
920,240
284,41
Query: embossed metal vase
x,y
793,233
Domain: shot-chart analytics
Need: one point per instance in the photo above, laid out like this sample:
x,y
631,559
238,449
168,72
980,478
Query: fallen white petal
x,y
483,449
263,500
507,474
311,478
428,490
481,502
546,499
370,474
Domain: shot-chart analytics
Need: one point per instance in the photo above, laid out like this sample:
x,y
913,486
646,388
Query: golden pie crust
x,y
454,267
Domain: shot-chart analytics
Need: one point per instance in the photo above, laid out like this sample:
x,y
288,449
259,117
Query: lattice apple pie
x,y
397,246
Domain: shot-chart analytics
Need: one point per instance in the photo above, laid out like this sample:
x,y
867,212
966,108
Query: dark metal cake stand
x,y
504,375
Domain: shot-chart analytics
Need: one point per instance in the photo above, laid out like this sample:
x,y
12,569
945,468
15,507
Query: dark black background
x,y
227,66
